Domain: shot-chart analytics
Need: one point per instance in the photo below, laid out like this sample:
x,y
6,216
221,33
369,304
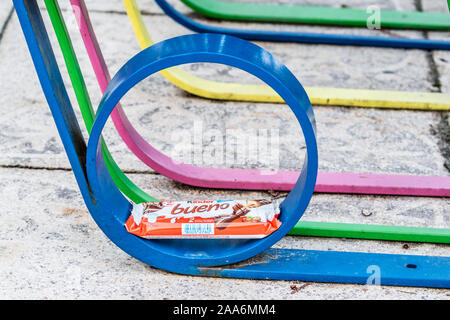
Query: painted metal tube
x,y
305,37
350,17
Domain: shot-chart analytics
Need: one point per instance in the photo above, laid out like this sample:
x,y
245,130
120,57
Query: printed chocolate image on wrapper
x,y
237,219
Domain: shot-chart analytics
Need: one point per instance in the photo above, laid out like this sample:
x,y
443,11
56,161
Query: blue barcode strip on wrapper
x,y
197,228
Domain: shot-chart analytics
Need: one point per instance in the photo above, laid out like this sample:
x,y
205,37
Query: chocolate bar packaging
x,y
237,219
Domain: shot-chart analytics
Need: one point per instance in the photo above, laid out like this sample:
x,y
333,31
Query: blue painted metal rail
x,y
305,37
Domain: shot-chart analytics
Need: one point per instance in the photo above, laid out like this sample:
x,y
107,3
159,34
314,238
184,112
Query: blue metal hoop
x,y
211,48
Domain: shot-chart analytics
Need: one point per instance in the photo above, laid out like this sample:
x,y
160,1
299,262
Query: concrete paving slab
x,y
51,248
27,144
441,58
362,4
434,6
5,12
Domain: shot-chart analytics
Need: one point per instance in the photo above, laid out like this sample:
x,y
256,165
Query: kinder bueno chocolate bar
x,y
237,219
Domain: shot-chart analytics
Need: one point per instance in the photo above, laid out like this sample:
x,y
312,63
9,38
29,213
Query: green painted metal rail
x,y
371,231
318,15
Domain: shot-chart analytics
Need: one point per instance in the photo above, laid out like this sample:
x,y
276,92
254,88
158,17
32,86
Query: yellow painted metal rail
x,y
261,93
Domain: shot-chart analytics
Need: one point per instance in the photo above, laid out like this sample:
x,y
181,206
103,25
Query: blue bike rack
x,y
304,37
110,208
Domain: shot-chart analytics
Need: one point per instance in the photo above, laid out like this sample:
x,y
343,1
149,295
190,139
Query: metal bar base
x,y
340,267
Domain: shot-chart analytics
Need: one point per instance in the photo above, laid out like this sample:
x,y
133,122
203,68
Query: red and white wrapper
x,y
237,219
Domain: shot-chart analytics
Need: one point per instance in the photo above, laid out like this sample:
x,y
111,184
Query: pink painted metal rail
x,y
352,183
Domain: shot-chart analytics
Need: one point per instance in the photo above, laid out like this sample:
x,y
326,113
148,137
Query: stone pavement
x,y
50,248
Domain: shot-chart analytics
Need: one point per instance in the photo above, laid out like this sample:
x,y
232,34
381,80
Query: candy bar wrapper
x,y
237,219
